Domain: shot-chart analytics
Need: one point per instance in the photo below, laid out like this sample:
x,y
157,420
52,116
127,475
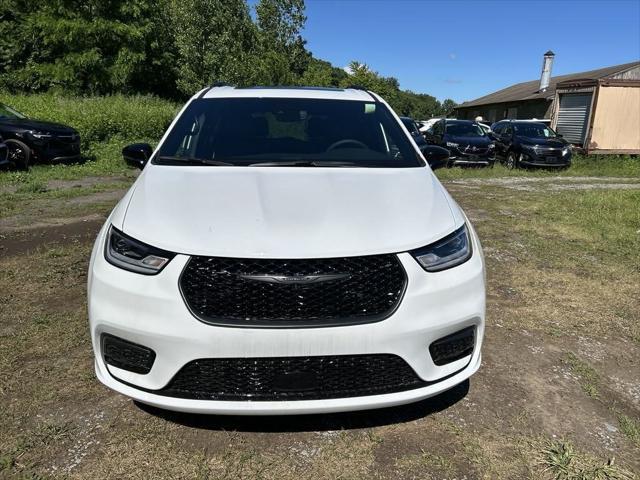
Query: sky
x,y
464,49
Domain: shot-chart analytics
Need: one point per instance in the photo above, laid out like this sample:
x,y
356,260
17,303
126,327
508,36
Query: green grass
x,y
630,428
99,118
106,125
600,222
560,461
104,159
43,436
35,193
583,166
588,377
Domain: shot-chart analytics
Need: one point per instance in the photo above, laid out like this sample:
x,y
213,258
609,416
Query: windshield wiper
x,y
304,163
172,160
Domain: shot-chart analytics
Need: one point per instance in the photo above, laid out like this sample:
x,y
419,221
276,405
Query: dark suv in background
x,y
467,142
412,126
33,141
530,144
437,157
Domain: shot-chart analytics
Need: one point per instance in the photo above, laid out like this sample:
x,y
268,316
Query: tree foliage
x,y
173,48
83,46
214,40
283,56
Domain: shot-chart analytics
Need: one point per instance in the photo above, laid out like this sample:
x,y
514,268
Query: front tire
x,y
18,153
512,161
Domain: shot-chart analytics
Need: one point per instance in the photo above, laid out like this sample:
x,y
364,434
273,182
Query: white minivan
x,y
285,251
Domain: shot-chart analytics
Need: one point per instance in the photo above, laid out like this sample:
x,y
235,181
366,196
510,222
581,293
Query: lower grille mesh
x,y
292,378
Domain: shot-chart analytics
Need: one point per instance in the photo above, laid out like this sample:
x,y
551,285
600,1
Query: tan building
x,y
598,110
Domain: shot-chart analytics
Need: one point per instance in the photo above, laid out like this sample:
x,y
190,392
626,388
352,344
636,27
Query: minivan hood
x,y
287,212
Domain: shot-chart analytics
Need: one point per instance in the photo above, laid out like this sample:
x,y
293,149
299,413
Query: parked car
x,y
425,125
412,126
530,144
544,121
466,141
486,128
285,251
32,141
436,157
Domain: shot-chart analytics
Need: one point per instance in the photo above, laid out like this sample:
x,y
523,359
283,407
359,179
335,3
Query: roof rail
x,y
214,85
364,89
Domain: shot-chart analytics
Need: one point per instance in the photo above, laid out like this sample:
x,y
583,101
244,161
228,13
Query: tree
x,y
83,46
173,48
282,56
214,40
317,74
447,106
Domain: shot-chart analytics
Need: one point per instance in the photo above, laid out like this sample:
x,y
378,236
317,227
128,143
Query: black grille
x,y
292,378
127,355
350,290
471,151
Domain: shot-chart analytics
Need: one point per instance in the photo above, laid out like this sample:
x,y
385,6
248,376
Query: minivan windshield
x,y
287,132
534,130
465,130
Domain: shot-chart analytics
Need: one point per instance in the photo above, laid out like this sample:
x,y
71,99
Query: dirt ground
x,y
557,396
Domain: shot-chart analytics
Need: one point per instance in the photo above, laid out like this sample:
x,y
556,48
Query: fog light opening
x,y
453,347
127,355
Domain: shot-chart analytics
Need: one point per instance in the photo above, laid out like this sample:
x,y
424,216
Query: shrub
x,y
99,118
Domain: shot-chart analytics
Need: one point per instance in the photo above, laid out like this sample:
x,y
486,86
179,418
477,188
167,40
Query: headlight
x,y
492,146
40,135
530,147
565,151
133,255
453,144
451,251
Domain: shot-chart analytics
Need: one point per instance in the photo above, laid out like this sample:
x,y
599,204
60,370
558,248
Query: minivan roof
x,y
288,92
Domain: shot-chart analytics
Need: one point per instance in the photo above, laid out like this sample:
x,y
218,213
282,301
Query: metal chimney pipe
x,y
547,65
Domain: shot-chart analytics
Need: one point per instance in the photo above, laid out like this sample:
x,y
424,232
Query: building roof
x,y
530,90
287,92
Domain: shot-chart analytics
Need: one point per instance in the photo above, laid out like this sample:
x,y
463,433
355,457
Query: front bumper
x,y
458,158
479,161
531,159
56,151
149,310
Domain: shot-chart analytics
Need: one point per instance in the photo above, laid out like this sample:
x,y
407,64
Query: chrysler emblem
x,y
290,279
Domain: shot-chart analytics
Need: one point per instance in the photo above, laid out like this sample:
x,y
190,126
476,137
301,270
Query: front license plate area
x,y
297,381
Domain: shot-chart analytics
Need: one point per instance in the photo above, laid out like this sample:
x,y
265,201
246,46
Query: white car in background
x,y
285,251
425,125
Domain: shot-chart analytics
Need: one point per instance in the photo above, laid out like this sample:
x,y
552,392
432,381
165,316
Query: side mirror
x,y
437,157
137,154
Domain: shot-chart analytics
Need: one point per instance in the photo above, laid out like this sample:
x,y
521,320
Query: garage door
x,y
573,116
